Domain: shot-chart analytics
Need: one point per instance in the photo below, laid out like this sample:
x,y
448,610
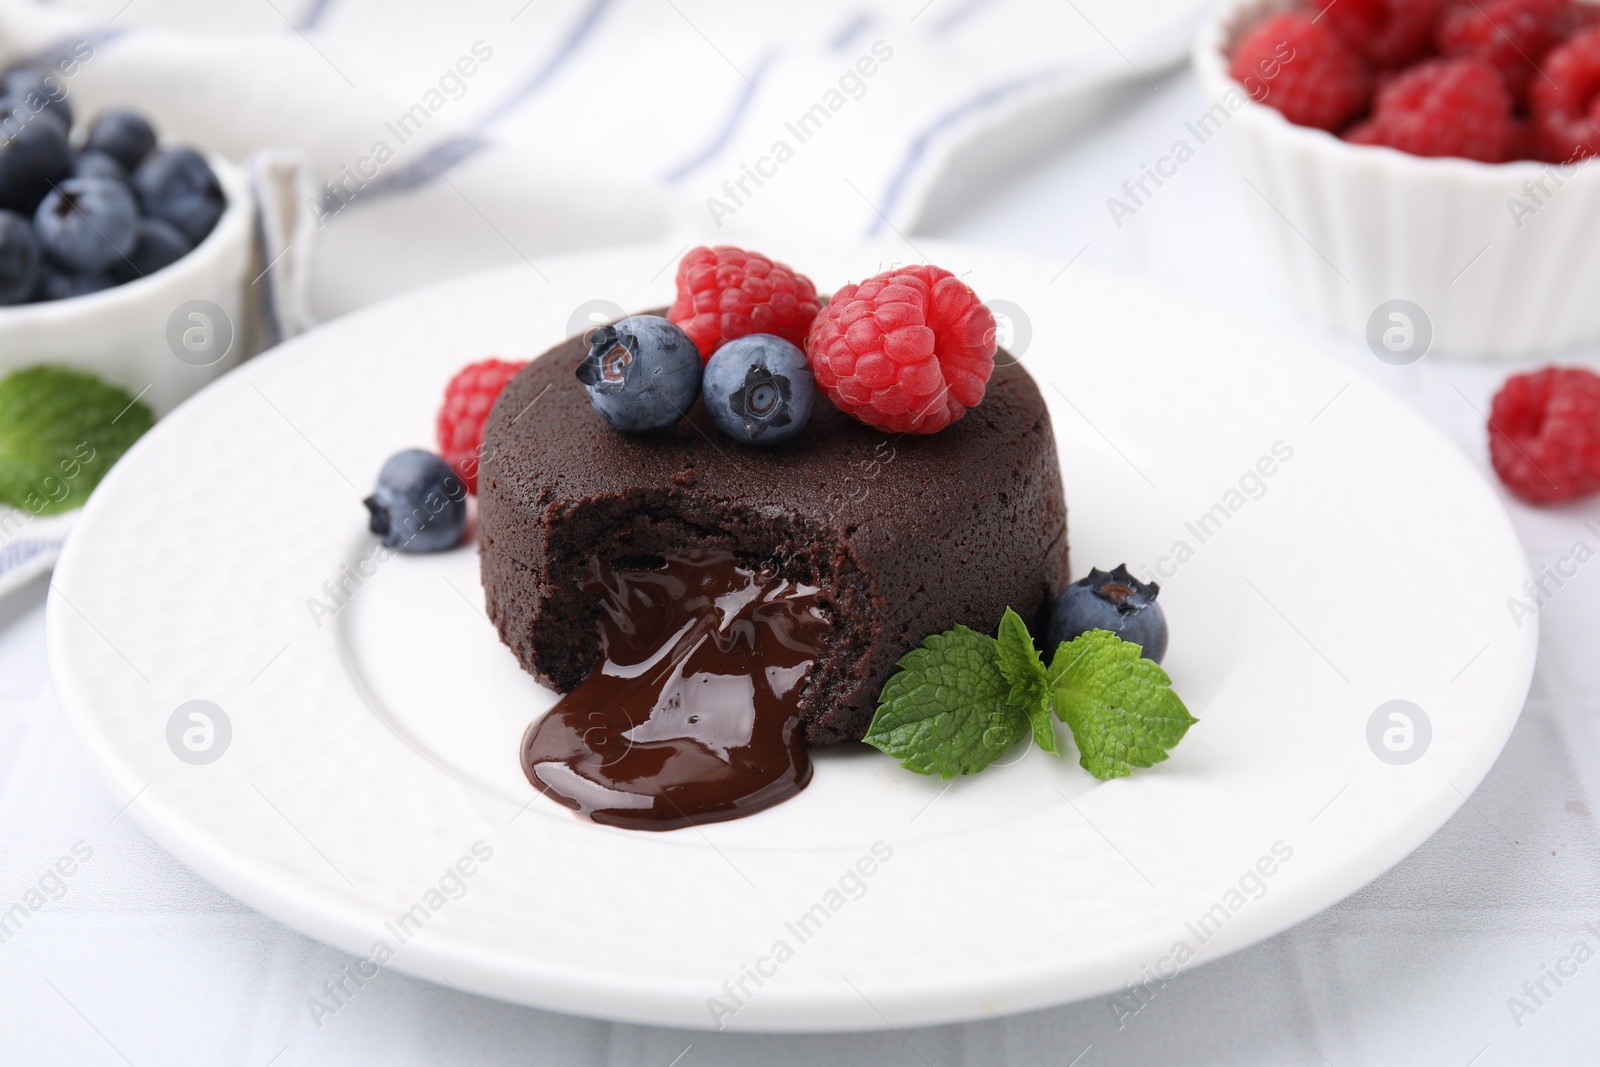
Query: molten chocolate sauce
x,y
692,714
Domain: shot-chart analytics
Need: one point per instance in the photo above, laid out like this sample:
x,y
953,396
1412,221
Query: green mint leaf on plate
x,y
948,710
60,431
1120,706
1024,672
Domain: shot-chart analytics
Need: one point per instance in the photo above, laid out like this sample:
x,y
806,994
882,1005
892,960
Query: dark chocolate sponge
x,y
907,535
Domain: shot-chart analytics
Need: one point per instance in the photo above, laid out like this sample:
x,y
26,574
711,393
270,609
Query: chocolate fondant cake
x,y
904,536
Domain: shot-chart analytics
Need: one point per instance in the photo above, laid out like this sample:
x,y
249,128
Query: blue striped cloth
x,y
23,558
449,138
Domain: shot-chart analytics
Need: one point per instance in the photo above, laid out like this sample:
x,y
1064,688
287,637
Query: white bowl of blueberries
x,y
119,255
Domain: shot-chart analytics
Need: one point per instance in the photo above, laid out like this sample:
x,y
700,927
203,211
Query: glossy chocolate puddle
x,y
692,714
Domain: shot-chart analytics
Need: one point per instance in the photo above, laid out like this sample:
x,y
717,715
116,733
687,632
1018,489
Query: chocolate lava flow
x,y
692,714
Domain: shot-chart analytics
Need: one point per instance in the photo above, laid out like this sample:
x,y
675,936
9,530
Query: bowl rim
x,y
1210,61
233,224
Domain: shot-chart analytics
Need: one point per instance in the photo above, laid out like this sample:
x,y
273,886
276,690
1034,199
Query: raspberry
x,y
1443,107
1303,70
1524,143
1565,99
1511,35
1544,434
907,351
1388,33
1576,15
726,292
467,400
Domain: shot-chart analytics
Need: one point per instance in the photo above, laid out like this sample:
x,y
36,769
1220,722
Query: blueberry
x,y
19,259
759,389
642,373
87,224
160,245
93,164
1118,602
177,185
38,92
419,504
125,136
34,156
58,284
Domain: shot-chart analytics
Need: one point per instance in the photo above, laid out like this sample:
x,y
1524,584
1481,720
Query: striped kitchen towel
x,y
445,138
29,545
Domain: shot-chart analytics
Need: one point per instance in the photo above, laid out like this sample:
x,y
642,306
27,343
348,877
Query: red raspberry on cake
x,y
1511,35
1565,99
726,292
467,400
1443,107
906,351
1544,434
1388,33
1304,70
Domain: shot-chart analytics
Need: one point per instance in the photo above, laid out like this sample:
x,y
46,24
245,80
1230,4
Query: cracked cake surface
x,y
906,535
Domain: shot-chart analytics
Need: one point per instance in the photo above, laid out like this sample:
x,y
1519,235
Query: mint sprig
x,y
1119,706
962,698
948,710
1029,681
60,431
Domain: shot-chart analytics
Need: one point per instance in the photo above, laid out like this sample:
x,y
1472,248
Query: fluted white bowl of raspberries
x,y
120,254
1421,171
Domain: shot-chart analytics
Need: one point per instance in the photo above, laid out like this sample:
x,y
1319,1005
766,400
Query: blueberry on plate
x,y
19,259
642,373
419,504
57,283
93,164
178,186
125,136
88,224
1115,601
759,389
34,156
160,245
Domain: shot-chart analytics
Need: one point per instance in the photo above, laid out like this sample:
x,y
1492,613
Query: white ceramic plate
x,y
375,746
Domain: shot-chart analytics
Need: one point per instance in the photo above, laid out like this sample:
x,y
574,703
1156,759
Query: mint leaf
x,y
1120,706
948,710
60,431
1024,672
